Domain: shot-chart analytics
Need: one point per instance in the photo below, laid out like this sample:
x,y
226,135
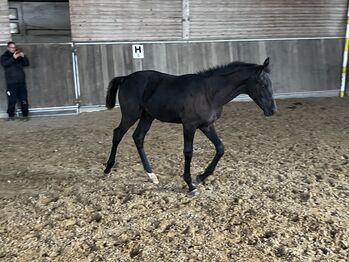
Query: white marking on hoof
x,y
194,192
153,178
106,174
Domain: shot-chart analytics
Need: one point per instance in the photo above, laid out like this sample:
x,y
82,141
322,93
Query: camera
x,y
18,50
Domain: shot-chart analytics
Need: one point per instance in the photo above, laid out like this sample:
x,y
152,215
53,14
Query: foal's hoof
x,y
153,178
194,192
106,174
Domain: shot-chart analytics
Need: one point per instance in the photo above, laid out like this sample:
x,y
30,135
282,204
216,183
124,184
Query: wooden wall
x,y
49,76
267,18
110,20
137,20
297,66
133,20
300,65
4,22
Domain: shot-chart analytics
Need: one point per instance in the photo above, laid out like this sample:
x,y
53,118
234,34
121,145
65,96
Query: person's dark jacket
x,y
14,72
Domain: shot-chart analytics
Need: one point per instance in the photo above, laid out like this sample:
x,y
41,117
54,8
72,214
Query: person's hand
x,y
16,55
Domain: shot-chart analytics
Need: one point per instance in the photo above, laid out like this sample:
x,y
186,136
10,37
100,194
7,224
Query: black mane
x,y
226,69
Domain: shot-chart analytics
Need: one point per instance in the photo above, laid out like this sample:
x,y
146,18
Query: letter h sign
x,y
138,51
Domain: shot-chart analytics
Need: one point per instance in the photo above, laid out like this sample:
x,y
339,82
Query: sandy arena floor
x,y
280,192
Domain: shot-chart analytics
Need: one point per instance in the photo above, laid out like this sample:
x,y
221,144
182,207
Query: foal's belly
x,y
164,113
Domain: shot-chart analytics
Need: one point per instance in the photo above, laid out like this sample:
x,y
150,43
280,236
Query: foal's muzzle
x,y
271,111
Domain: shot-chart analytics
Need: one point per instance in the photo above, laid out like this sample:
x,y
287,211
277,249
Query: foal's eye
x,y
261,82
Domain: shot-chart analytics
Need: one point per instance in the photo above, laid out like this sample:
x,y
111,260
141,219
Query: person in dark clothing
x,y
13,61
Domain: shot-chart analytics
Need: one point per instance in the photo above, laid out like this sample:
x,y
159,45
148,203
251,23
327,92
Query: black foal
x,y
194,100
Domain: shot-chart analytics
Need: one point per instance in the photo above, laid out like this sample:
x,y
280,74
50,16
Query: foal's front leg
x,y
188,132
211,134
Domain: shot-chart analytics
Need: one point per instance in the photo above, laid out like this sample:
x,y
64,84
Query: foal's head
x,y
259,88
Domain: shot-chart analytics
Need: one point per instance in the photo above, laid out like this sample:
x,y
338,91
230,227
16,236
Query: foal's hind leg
x,y
118,134
138,136
211,134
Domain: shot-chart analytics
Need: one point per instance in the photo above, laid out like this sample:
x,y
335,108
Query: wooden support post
x,y
185,19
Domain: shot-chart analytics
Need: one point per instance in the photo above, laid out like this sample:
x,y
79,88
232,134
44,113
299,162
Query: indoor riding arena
x,y
280,192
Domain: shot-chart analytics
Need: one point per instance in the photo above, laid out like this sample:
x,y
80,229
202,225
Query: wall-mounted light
x,y
14,28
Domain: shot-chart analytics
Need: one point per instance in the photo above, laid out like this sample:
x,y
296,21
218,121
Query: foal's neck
x,y
227,87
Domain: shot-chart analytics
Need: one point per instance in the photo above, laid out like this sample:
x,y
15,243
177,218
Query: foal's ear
x,y
266,62
266,67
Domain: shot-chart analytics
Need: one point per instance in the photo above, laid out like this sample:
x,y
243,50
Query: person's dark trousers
x,y
17,92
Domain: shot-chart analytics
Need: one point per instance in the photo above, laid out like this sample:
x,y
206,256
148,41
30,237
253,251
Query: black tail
x,y
113,86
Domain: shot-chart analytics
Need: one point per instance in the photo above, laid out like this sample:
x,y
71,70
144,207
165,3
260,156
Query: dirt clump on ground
x,y
280,192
